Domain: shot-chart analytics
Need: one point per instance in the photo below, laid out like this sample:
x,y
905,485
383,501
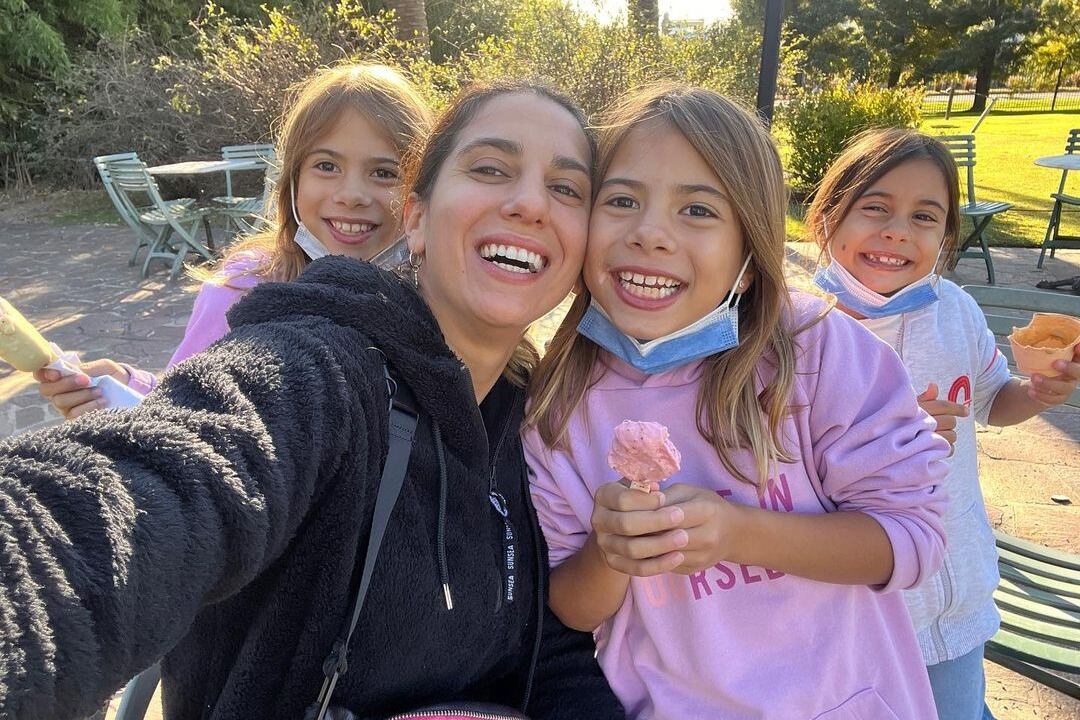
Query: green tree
x,y
458,28
412,23
35,41
1056,44
988,36
904,32
644,18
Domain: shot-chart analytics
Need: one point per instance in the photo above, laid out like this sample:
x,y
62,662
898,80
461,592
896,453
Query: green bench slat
x,y
1058,558
1065,682
1027,605
1053,633
1055,657
994,299
1024,578
1037,567
1041,595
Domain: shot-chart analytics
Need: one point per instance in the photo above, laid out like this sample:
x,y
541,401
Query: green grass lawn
x,y
1006,145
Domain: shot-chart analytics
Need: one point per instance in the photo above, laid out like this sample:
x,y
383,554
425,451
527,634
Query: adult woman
x,y
223,519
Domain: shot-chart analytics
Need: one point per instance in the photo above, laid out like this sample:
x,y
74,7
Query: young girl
x,y
887,218
340,148
759,582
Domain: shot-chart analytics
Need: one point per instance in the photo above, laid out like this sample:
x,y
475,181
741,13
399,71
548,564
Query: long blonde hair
x,y
381,94
731,414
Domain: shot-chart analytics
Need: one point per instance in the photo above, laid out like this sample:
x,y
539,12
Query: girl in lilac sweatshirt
x,y
340,150
758,581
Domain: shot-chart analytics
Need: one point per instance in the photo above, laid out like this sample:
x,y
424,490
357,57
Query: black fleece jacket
x,y
224,522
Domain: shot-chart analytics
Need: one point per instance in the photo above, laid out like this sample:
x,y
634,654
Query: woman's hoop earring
x,y
415,261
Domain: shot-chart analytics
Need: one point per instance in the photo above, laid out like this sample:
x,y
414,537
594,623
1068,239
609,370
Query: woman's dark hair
x,y
422,166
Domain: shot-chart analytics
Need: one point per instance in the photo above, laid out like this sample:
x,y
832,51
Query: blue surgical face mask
x,y
716,332
850,293
303,237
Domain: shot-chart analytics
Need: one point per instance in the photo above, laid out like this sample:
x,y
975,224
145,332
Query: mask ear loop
x,y
935,273
292,194
738,296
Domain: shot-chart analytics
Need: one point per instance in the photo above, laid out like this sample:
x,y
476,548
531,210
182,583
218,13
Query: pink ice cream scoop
x,y
642,453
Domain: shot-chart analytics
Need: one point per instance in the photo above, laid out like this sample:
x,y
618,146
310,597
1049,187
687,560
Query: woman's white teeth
x,y
513,258
648,286
887,259
352,228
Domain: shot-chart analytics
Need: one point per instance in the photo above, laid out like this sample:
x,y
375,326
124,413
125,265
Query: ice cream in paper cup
x,y
1047,338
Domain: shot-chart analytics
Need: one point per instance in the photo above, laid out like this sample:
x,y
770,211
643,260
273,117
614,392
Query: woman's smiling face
x,y
503,230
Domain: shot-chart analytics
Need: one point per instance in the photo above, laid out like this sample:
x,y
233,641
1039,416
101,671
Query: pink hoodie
x,y
738,641
207,323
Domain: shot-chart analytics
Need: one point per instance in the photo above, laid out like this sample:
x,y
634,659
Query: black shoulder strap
x,y
403,416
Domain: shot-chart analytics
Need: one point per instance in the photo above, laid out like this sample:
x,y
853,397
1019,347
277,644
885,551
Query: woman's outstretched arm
x,y
117,528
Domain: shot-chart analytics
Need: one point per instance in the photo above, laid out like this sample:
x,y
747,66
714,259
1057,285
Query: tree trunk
x,y
894,73
984,73
411,21
644,16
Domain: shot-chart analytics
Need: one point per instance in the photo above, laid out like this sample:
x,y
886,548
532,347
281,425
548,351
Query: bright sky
x,y
677,9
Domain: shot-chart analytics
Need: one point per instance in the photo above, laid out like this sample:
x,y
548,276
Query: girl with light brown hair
x,y
758,582
342,139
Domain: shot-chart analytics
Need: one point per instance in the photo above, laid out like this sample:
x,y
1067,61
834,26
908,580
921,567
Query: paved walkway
x,y
74,283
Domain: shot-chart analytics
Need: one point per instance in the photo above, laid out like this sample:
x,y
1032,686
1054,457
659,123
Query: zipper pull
x,y
509,549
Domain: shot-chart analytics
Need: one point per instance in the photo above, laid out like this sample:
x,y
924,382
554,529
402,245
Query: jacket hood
x,y
393,317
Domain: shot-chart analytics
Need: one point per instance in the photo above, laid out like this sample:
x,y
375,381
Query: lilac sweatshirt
x,y
207,323
738,641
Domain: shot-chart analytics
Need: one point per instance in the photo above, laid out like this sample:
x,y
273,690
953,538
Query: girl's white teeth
x,y
352,228
886,260
648,280
524,261
652,287
650,293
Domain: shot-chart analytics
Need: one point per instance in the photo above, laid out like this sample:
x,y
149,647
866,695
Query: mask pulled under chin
x,y
309,243
712,334
850,293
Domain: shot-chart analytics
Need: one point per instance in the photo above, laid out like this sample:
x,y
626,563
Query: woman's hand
x,y
943,412
635,533
73,395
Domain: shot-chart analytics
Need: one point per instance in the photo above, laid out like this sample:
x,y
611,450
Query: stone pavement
x,y
74,283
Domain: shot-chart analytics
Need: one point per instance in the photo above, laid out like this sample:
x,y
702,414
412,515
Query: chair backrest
x,y
105,165
258,151
1006,308
962,148
131,176
263,152
1072,145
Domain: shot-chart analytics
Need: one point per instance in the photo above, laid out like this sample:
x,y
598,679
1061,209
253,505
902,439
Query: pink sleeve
x,y
207,323
556,489
141,381
874,449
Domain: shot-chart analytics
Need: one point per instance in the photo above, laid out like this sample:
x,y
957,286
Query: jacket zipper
x,y
936,635
508,566
947,599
